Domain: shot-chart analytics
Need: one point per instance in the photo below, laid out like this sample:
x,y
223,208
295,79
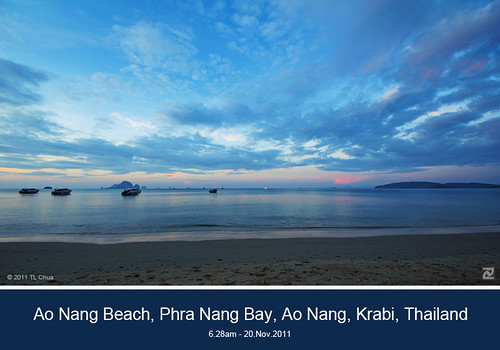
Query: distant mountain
x,y
123,185
425,184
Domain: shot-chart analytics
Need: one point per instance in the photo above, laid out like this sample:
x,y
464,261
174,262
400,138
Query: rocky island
x,y
123,185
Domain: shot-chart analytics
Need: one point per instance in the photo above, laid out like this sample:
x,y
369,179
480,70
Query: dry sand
x,y
445,259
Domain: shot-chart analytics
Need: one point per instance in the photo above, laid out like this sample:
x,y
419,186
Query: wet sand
x,y
442,259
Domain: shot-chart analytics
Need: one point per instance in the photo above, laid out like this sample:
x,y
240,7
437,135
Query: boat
x,y
61,192
212,190
131,192
28,191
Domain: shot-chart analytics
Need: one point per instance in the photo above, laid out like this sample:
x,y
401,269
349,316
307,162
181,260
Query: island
x,y
123,186
426,184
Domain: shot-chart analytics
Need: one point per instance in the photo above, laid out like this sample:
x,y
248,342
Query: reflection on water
x,y
231,212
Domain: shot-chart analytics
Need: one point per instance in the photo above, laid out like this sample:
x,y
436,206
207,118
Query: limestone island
x,y
123,185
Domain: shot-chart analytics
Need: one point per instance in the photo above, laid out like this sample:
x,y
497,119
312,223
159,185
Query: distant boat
x,y
47,188
61,192
131,192
266,188
213,190
28,191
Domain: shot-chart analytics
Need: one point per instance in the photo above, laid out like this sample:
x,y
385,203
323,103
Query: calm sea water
x,y
104,216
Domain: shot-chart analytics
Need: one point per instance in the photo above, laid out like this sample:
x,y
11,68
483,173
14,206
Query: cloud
x,y
156,46
138,125
453,34
28,122
197,114
386,87
349,179
389,94
399,94
17,82
149,154
197,152
245,20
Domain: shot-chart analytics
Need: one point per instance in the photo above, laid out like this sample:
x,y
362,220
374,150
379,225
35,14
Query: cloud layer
x,y
385,87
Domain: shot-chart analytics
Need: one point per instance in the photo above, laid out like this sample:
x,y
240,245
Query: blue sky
x,y
261,93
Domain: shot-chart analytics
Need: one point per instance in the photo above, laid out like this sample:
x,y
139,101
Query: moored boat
x,y
213,190
61,192
131,192
28,191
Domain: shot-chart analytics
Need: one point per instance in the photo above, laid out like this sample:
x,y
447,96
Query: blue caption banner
x,y
278,319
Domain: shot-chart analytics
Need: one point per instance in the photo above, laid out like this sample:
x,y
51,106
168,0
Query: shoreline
x,y
432,259
202,235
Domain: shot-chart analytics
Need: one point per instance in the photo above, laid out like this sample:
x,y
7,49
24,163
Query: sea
x,y
105,216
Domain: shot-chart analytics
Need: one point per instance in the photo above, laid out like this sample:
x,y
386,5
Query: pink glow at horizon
x,y
349,179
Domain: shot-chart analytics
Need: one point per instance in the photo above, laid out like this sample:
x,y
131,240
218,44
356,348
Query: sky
x,y
290,93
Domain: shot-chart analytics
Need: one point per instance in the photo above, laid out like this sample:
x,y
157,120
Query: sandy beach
x,y
443,259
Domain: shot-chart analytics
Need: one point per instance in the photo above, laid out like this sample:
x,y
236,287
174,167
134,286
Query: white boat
x,y
28,191
131,192
61,192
